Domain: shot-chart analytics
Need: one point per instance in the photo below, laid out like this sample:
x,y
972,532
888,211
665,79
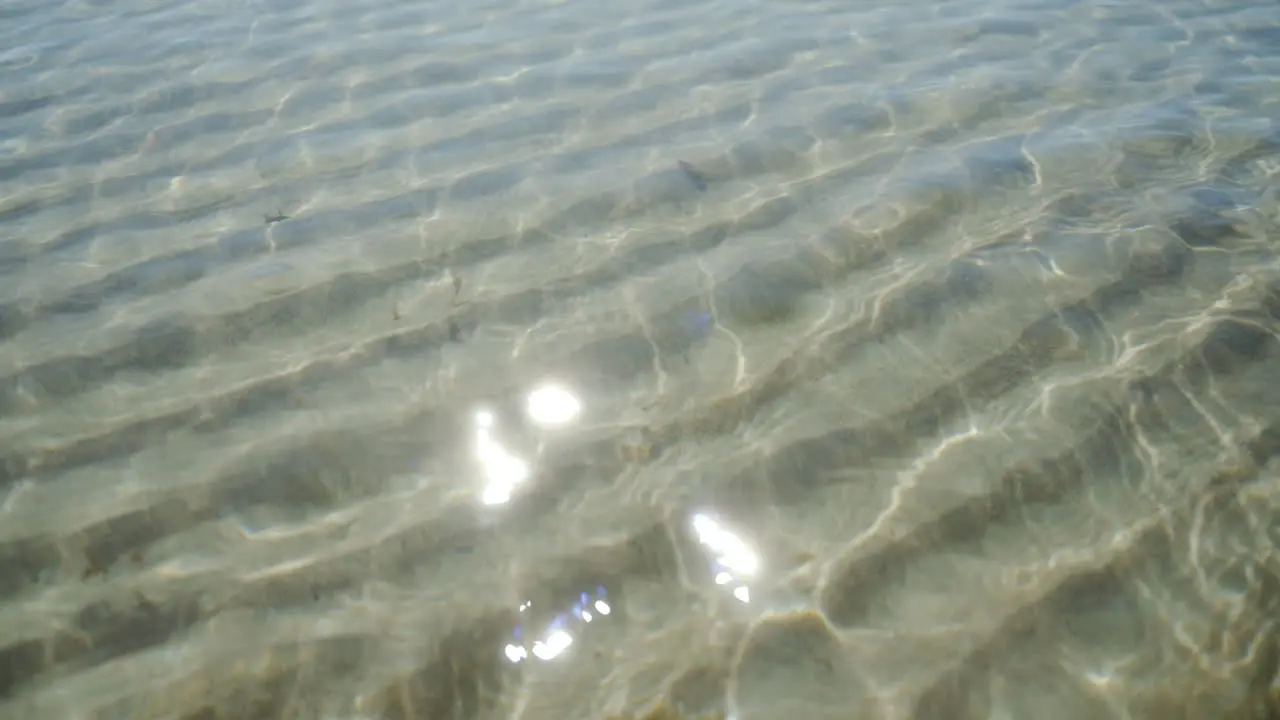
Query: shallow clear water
x,y
554,360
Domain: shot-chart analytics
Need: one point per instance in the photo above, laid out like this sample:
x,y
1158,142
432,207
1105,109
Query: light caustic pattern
x,y
530,360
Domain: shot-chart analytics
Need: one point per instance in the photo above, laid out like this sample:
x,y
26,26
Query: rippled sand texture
x,y
963,317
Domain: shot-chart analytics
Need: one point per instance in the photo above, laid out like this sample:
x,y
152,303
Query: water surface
x,y
543,360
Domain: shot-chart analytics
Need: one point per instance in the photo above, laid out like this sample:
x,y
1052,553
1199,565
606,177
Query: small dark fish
x,y
455,332
695,175
273,219
457,283
146,606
